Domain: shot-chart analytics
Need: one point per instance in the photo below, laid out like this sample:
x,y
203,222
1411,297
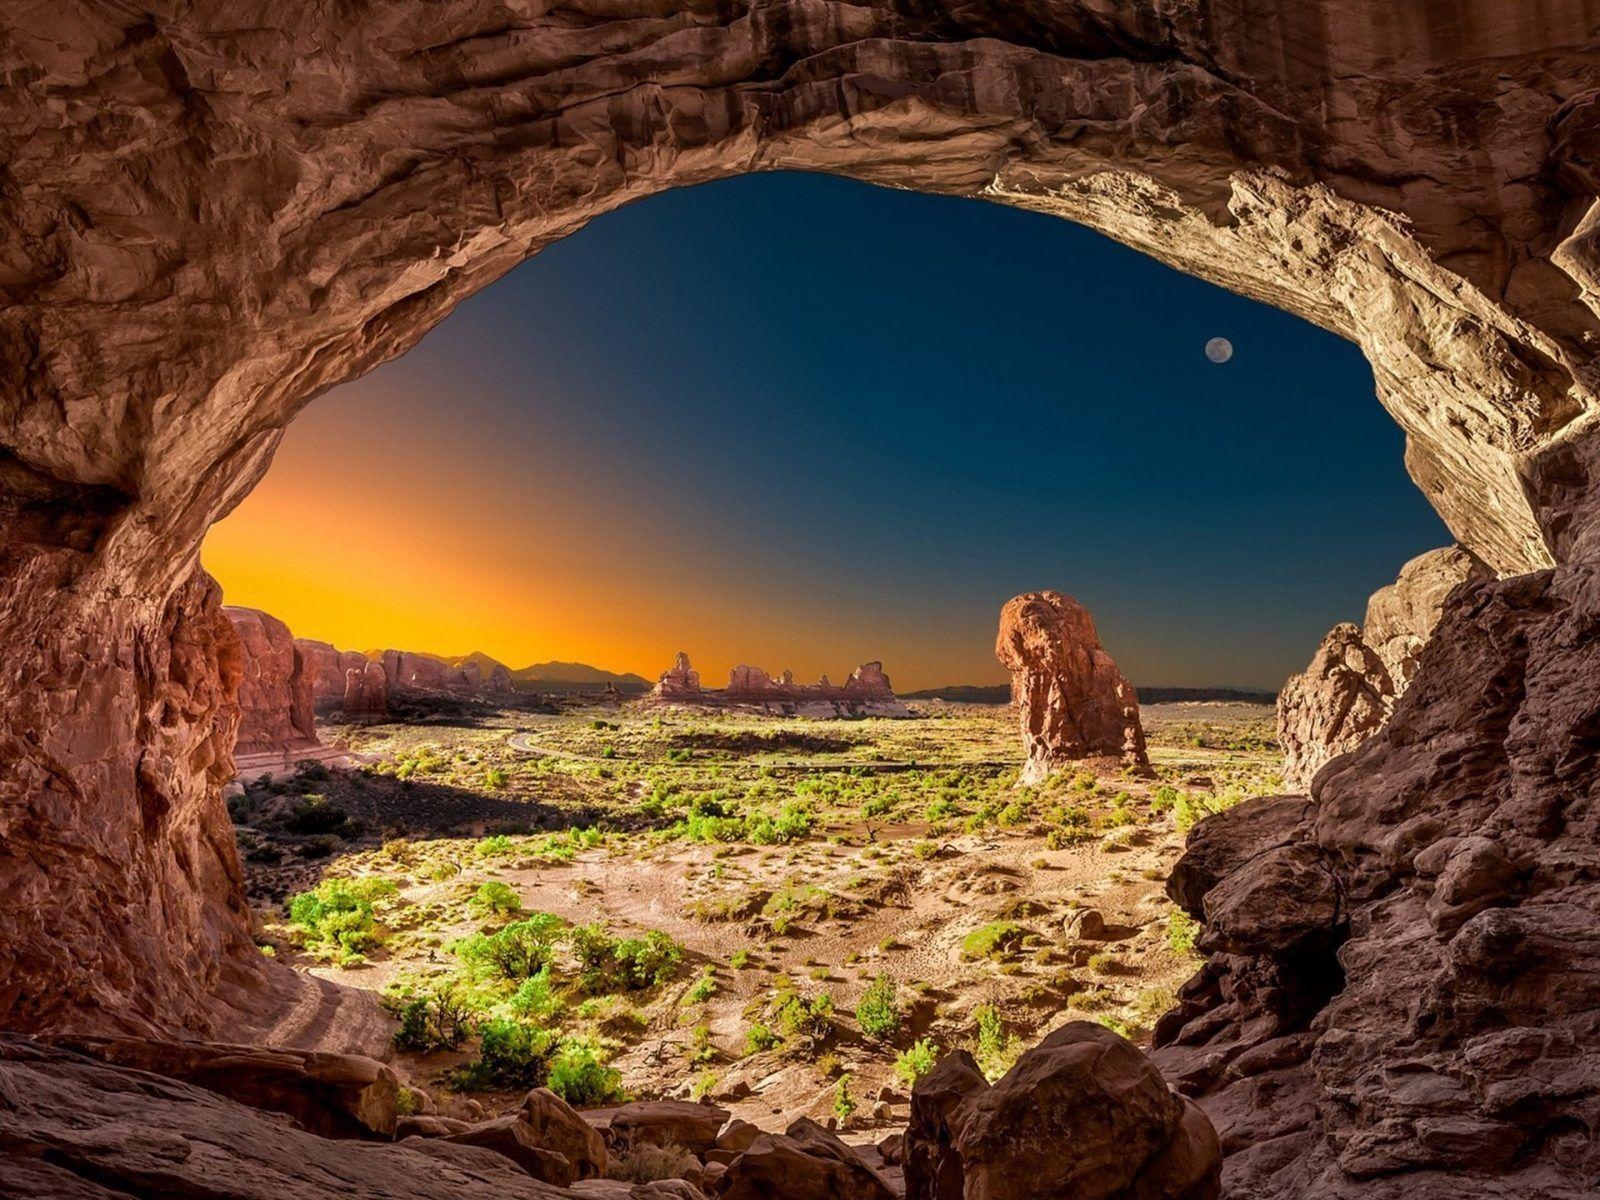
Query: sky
x,y
797,421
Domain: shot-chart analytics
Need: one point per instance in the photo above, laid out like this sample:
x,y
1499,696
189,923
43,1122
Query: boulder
x,y
276,715
514,1138
737,1135
806,1162
331,1095
1074,703
75,1128
681,1124
555,1125
1401,617
1081,1116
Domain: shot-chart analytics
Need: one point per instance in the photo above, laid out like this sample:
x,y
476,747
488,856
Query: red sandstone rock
x,y
1081,1116
1351,686
680,681
329,666
275,687
1074,702
366,693
555,1125
685,1124
330,1095
805,1163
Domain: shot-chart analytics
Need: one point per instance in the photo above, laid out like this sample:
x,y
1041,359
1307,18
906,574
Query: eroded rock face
x,y
366,693
207,222
1081,1116
1074,702
330,666
1402,993
275,686
1356,675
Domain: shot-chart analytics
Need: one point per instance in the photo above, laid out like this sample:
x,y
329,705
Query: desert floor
x,y
793,864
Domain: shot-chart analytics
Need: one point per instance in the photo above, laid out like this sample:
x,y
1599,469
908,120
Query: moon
x,y
1219,350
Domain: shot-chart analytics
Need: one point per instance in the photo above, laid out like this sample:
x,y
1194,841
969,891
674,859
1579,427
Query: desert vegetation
x,y
786,917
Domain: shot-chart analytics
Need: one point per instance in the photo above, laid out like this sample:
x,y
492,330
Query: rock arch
x,y
214,212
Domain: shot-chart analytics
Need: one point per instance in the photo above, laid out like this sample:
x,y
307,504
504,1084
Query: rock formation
x,y
1073,701
867,693
408,671
1404,970
330,666
208,222
1356,675
275,687
1081,1116
366,693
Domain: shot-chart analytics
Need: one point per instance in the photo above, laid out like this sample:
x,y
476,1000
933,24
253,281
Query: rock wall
x,y
1356,675
1074,702
366,693
207,221
1402,994
276,684
428,674
328,669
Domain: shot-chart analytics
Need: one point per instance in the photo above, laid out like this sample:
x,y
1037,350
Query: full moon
x,y
1219,350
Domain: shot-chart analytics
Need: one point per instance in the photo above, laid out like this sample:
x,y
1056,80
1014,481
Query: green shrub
x,y
337,915
536,997
996,1051
704,988
878,1013
606,964
843,1102
497,846
579,1077
1182,930
913,1063
312,814
510,1055
758,1038
805,1023
993,940
437,1021
519,951
496,777
497,897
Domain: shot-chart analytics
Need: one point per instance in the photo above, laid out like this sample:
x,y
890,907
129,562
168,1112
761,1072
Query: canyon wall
x,y
212,214
867,693
276,683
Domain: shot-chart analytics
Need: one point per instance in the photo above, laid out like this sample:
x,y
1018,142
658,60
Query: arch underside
x,y
214,213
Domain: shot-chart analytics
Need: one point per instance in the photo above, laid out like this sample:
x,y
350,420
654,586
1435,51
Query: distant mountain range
x,y
1000,693
573,676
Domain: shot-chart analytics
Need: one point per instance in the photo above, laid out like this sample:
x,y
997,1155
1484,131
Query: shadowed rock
x,y
1081,1116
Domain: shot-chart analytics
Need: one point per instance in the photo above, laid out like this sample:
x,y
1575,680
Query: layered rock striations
x,y
1074,703
867,693
1348,691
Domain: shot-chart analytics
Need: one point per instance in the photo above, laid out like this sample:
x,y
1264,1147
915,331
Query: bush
x,y
912,1064
995,1052
1182,930
495,847
878,1013
843,1102
433,1022
807,1024
579,1077
510,1055
536,997
337,915
993,940
704,988
312,814
497,897
519,951
758,1038
496,777
630,964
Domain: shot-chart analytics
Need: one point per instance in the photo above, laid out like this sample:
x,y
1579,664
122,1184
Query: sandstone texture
x,y
366,693
276,713
213,214
1073,701
867,693
1403,980
72,1128
1081,1116
1356,675
805,1162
